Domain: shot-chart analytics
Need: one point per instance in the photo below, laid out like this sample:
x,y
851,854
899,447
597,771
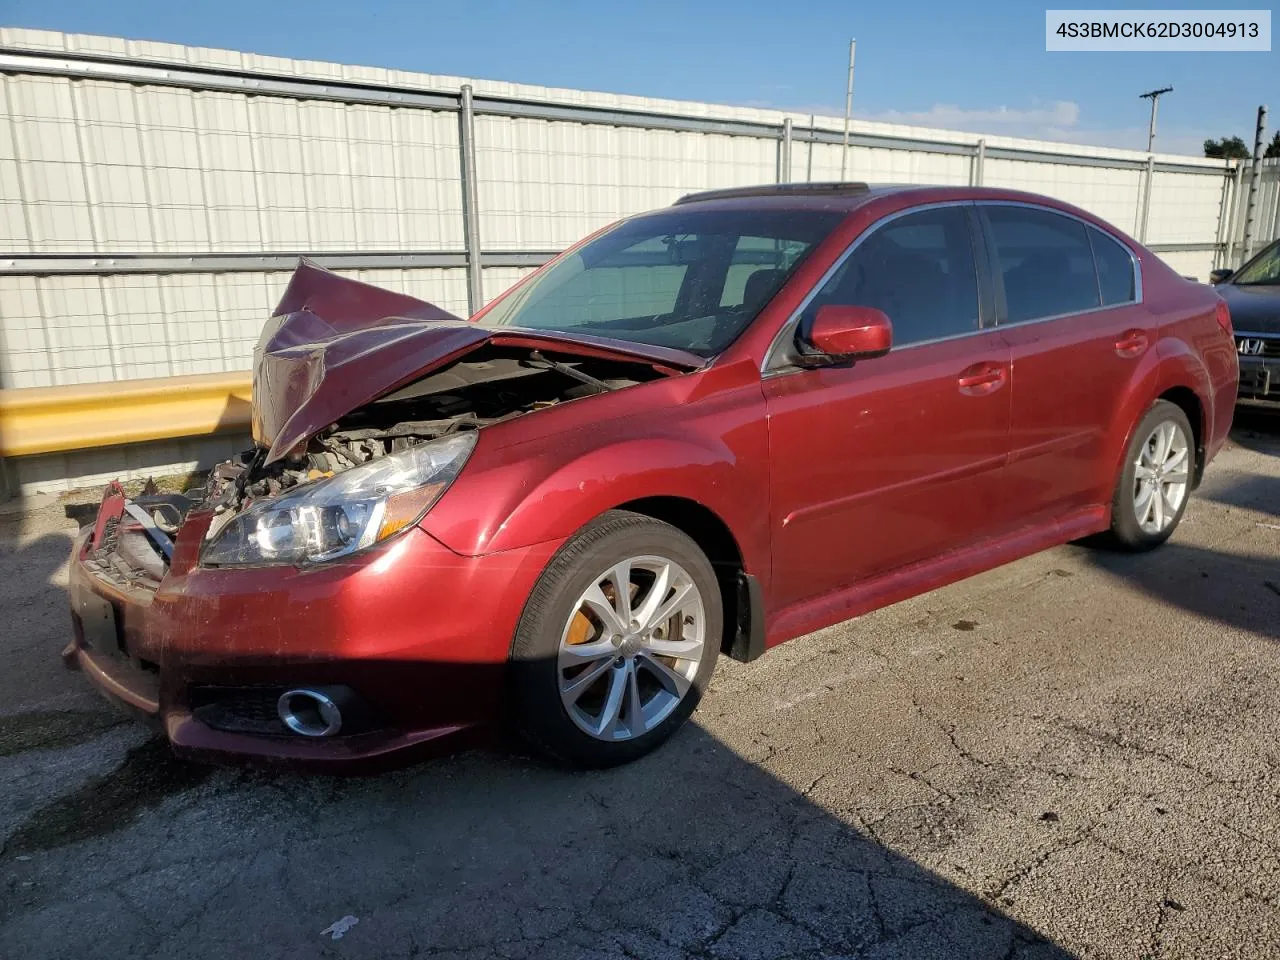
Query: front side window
x,y
684,278
918,269
1263,271
1045,260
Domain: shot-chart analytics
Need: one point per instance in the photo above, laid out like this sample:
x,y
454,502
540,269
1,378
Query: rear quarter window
x,y
1115,269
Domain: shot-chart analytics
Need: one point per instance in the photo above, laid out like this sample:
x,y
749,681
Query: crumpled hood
x,y
334,344
1254,309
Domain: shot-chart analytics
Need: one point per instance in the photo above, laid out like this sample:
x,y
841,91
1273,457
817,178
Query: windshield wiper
x,y
536,359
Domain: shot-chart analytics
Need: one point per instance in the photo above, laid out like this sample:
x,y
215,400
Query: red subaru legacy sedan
x,y
701,431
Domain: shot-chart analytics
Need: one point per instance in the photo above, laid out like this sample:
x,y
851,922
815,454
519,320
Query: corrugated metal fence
x,y
153,197
1266,212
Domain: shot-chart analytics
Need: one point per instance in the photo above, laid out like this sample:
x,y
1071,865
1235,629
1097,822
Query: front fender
x,y
546,490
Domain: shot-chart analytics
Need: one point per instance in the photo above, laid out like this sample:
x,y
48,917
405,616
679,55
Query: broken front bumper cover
x,y
400,625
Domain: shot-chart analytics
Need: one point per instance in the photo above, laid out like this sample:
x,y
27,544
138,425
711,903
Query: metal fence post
x,y
975,165
784,161
1255,174
1275,201
470,205
813,142
1145,214
1233,227
1224,208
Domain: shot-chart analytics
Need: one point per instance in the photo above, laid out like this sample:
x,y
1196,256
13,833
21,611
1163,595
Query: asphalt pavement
x,y
1074,755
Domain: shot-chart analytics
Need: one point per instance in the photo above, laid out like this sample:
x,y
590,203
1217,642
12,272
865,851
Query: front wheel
x,y
1152,492
617,642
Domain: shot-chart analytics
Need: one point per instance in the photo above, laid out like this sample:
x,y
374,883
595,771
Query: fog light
x,y
309,713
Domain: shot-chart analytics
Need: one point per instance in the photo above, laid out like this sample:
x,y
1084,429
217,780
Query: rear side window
x,y
1045,260
1115,269
918,269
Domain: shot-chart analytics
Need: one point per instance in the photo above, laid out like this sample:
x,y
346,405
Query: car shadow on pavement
x,y
1257,428
691,852
1247,491
1240,591
113,847
36,625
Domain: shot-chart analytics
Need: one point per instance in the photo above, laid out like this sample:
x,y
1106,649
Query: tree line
x,y
1233,148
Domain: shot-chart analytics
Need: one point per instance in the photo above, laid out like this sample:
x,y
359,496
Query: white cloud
x,y
1058,120
1061,120
1004,120
1168,140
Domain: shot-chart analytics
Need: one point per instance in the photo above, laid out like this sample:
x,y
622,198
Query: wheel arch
x,y
706,487
743,637
1186,399
1173,374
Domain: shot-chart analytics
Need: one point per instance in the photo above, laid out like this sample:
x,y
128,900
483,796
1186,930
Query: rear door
x,y
1068,300
898,458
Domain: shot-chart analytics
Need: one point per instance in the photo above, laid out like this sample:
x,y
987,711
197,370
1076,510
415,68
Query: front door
x,y
898,458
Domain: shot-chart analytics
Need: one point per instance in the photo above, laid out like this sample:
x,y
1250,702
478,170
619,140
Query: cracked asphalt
x,y
1075,755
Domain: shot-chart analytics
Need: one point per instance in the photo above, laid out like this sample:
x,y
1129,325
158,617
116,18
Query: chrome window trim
x,y
1133,261
767,369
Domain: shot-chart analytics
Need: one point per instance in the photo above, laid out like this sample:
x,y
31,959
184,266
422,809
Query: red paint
x,y
855,332
844,487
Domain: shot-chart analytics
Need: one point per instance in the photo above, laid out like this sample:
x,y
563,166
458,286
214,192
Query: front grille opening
x,y
239,710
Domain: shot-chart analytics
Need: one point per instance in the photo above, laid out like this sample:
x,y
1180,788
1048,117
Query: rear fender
x,y
1170,365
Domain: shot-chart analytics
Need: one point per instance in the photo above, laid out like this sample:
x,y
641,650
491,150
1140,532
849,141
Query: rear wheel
x,y
1155,483
617,642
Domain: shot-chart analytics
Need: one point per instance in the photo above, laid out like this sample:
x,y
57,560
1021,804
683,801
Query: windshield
x,y
1265,269
684,278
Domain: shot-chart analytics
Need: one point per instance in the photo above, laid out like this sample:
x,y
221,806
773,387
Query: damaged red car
x,y
701,431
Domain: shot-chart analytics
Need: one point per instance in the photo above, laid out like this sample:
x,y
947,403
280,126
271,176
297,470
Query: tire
x,y
564,710
1135,532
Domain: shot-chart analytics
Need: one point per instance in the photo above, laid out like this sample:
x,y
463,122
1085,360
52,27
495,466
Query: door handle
x,y
981,379
1132,343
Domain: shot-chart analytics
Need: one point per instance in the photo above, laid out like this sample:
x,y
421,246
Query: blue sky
x,y
962,66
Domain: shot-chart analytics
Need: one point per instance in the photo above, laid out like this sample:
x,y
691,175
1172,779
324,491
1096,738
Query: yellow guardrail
x,y
58,419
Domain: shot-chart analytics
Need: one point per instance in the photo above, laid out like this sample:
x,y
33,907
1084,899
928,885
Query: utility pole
x,y
848,111
1154,96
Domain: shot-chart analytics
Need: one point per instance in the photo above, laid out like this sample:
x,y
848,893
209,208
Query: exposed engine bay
x,y
366,407
486,387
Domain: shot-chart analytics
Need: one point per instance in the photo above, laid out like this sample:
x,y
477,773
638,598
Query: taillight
x,y
1224,317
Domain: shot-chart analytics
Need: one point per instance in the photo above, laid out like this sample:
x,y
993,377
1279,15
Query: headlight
x,y
345,513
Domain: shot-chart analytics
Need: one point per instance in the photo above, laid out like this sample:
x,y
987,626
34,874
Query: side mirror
x,y
842,334
1220,275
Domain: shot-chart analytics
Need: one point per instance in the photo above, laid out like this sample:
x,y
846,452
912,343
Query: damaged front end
x,y
367,405
133,538
224,612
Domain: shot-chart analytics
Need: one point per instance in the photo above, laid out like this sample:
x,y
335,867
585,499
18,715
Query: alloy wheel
x,y
631,648
1160,478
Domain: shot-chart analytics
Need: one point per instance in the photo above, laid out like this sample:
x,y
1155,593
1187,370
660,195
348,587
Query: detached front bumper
x,y
418,633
